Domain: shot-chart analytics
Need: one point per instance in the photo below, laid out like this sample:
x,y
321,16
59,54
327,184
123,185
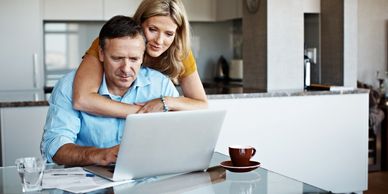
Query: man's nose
x,y
126,66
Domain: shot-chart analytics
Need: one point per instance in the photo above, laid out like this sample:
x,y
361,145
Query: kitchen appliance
x,y
236,70
222,70
307,71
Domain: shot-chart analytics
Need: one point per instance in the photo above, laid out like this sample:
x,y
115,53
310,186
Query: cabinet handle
x,y
35,70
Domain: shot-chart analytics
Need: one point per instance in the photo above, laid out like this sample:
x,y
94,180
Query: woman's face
x,y
160,32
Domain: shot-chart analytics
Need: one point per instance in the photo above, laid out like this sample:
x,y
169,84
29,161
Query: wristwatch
x,y
252,5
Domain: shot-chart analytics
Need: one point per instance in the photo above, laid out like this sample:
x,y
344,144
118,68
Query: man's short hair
x,y
119,26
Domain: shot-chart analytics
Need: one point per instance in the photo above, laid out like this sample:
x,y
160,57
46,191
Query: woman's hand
x,y
154,105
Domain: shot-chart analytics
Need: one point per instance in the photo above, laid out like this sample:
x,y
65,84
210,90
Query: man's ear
x,y
101,54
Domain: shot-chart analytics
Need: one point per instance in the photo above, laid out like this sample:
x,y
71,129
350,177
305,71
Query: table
x,y
214,180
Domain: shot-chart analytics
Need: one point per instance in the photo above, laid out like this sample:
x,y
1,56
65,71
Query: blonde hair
x,y
170,62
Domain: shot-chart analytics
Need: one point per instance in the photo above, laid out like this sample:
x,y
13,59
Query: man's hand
x,y
106,156
154,105
75,155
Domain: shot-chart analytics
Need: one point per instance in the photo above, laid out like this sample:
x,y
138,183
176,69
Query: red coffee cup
x,y
241,155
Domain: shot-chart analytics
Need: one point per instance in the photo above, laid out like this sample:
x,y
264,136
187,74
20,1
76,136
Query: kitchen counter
x,y
283,93
32,98
22,98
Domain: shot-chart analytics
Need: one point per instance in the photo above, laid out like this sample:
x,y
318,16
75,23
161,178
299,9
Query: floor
x,y
377,183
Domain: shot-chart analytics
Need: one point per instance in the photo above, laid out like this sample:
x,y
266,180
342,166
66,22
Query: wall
x,y
255,47
350,42
332,42
372,39
273,45
285,44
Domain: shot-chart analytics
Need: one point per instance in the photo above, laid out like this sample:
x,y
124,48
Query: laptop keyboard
x,y
111,168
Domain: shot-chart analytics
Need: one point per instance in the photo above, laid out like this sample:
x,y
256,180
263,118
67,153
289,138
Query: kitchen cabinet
x,y
73,10
312,6
229,9
92,10
120,7
201,10
21,132
22,45
87,10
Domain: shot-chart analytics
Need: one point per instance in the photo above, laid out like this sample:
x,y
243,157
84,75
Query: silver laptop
x,y
164,143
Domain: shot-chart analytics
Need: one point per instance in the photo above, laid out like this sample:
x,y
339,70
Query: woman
x,y
167,32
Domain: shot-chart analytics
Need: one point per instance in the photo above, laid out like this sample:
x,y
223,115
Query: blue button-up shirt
x,y
67,125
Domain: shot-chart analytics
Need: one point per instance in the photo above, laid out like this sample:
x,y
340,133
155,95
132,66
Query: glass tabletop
x,y
212,181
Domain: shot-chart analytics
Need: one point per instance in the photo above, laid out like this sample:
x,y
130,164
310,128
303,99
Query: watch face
x,y
252,5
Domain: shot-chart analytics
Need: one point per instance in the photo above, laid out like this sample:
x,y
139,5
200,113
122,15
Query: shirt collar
x,y
141,81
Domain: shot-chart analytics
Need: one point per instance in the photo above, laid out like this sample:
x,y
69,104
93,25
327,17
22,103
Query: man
x,y
72,137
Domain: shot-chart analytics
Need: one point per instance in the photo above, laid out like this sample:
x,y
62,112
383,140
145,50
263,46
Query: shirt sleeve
x,y
62,121
93,50
189,65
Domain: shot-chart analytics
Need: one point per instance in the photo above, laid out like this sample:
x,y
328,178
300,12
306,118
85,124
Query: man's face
x,y
122,58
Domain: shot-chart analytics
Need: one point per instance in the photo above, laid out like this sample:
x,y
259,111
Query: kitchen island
x,y
318,137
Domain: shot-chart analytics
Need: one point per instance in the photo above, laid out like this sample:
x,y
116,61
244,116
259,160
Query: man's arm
x,y
75,155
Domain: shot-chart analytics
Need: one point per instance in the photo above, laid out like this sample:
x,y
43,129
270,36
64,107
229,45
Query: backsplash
x,y
211,40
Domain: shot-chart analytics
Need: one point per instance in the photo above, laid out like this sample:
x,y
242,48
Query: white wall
x,y
320,140
350,43
285,44
372,39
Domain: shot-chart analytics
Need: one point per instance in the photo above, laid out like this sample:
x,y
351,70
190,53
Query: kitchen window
x,y
64,45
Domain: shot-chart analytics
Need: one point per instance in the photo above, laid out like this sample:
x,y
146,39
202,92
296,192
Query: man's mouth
x,y
125,76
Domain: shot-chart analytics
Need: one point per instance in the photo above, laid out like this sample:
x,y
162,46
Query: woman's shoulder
x,y
189,65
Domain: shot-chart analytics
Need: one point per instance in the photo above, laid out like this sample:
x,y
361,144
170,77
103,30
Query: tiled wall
x,y
255,47
332,41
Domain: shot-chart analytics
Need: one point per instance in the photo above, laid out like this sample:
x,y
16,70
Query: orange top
x,y
188,63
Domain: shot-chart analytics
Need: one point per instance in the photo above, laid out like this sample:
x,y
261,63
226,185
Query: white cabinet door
x,y
312,6
21,132
73,10
120,7
229,9
201,10
21,65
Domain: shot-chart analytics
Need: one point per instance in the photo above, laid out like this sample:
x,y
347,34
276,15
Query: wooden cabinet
x,y
22,45
120,7
73,10
21,132
229,9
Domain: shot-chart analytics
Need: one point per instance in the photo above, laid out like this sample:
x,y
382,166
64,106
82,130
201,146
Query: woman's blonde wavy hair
x,y
170,62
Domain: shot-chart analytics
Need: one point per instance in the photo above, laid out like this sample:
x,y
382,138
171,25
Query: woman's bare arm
x,y
194,97
85,92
